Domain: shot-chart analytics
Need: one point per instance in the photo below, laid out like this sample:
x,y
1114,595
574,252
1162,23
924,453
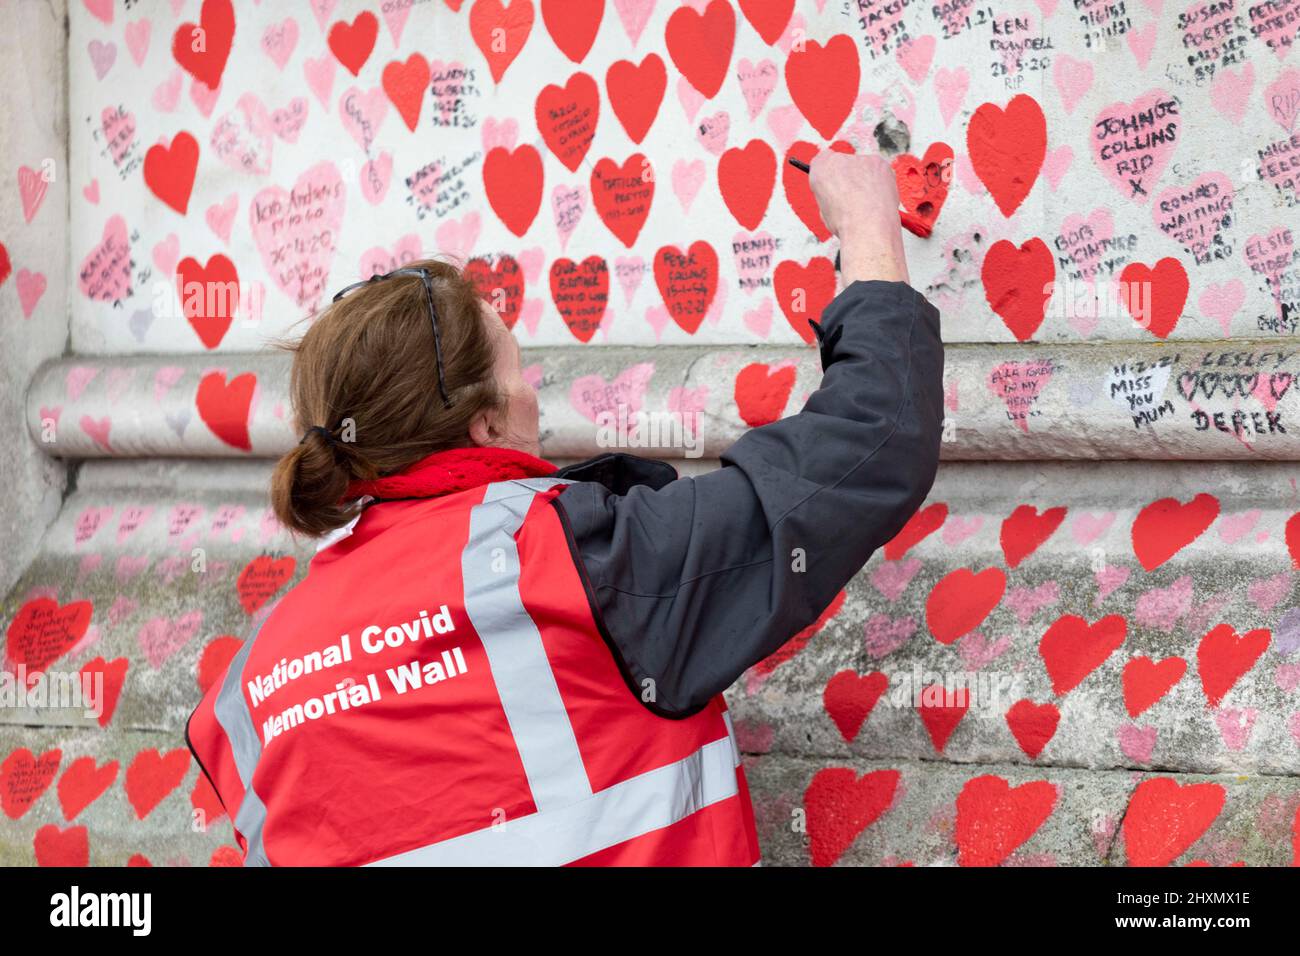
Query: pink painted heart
x,y
1161,608
1235,725
117,382
97,429
957,529
102,57
1230,91
163,380
91,192
712,132
1019,384
1133,142
531,262
1234,527
1223,301
1109,579
629,270
137,40
785,123
459,236
31,286
105,274
568,203
1270,256
593,396
915,56
1282,98
977,652
950,88
278,41
320,77
1137,743
89,521
1027,602
130,566
167,253
1203,616
634,14
288,120
119,132
1088,527
133,517
757,80
884,634
220,217
162,637
759,320
1073,80
503,133
204,97
690,98
168,92
101,10
1085,239
1057,164
123,607
243,138
363,112
753,254
531,314
1142,42
296,232
688,177
378,260
1195,214
891,578
1266,593
322,9
78,377
1288,676
32,186
395,15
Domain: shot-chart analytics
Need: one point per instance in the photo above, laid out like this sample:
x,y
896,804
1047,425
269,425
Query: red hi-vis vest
x,y
436,692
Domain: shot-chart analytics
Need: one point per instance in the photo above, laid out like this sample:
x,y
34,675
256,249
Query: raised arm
x,y
699,579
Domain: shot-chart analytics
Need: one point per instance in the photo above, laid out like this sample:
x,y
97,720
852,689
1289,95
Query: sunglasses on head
x,y
433,315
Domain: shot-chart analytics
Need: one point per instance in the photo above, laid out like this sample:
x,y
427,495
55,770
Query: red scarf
x,y
456,469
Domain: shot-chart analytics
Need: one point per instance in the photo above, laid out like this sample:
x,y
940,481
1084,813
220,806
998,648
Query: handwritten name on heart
x,y
297,230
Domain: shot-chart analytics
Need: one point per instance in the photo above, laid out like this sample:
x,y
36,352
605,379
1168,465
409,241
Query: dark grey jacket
x,y
694,580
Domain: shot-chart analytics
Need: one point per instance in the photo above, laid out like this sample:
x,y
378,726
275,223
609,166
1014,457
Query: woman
x,y
493,662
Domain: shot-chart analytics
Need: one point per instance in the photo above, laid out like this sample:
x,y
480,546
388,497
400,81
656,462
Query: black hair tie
x,y
325,433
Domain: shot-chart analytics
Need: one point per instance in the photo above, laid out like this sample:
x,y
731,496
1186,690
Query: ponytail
x,y
367,363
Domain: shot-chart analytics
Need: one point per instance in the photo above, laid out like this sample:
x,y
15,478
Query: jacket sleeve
x,y
697,580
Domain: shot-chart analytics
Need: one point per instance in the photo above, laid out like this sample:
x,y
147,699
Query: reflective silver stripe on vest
x,y
731,735
235,719
628,809
533,707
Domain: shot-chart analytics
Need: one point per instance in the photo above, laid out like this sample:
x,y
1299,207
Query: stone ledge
x,y
1204,400
1092,818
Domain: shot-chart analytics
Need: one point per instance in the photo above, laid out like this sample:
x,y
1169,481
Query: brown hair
x,y
366,371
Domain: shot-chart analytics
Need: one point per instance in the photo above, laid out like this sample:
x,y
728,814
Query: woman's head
x,y
367,371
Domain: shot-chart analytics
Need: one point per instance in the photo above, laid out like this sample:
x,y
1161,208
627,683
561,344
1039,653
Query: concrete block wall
x,y
1108,559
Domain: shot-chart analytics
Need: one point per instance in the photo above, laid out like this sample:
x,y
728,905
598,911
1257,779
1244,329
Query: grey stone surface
x,y
33,53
